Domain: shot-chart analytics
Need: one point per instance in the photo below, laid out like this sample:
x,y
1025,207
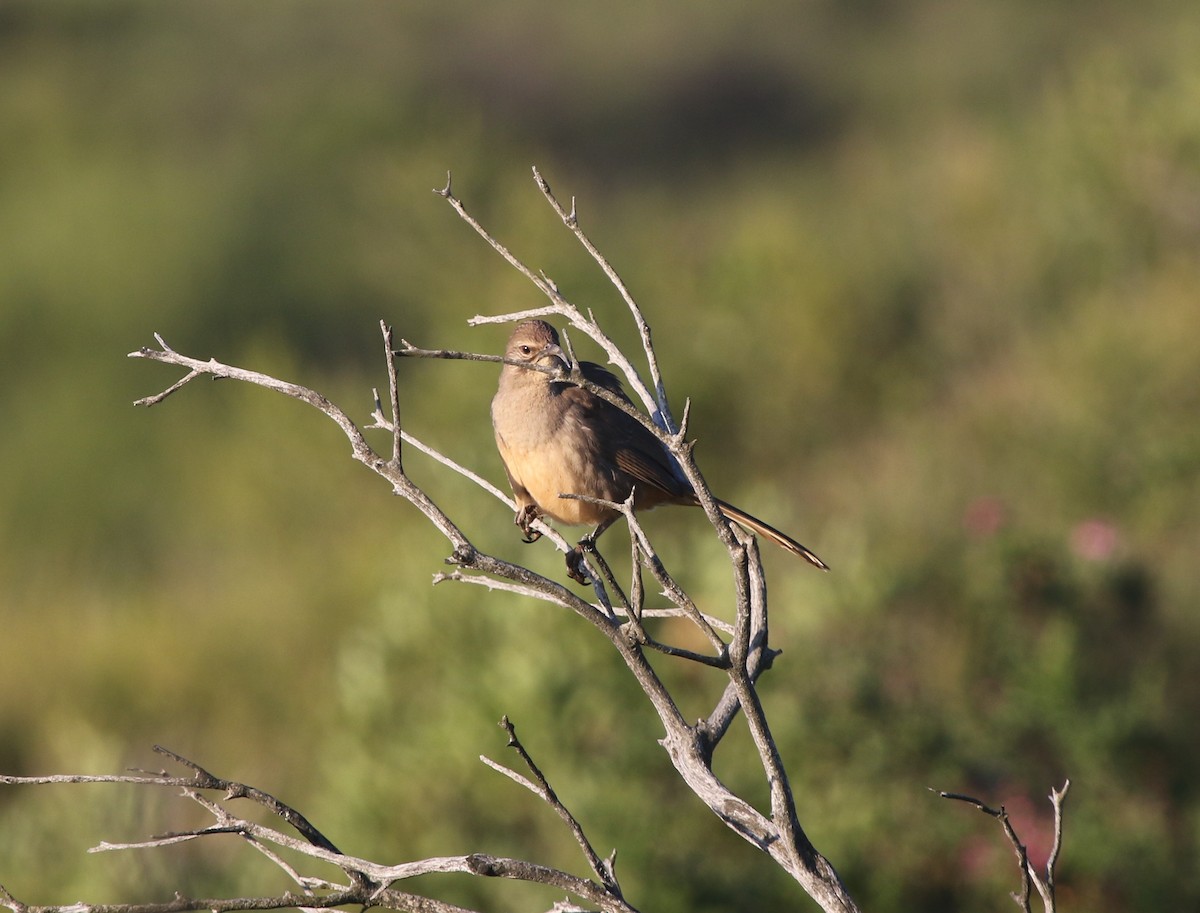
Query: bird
x,y
557,438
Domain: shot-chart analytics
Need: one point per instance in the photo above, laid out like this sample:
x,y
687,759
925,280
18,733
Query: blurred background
x,y
927,270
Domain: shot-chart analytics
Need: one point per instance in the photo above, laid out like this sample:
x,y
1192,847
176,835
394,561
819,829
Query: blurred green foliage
x,y
928,272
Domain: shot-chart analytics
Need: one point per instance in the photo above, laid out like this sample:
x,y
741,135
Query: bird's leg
x,y
576,569
526,516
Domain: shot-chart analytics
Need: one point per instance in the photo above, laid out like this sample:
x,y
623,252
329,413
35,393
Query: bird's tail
x,y
769,532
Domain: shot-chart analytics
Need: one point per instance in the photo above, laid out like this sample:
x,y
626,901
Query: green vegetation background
x,y
953,246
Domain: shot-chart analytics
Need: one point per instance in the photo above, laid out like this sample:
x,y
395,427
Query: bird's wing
x,y
635,450
647,469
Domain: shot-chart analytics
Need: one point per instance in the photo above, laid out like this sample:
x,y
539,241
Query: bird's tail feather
x,y
769,532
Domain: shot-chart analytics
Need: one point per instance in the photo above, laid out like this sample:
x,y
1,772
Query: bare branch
x,y
506,586
571,220
559,306
1057,798
360,449
394,395
181,904
688,746
202,779
641,637
159,397
541,787
408,350
757,659
1044,884
743,659
371,883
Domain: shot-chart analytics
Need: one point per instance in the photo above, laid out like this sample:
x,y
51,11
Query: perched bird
x,y
557,438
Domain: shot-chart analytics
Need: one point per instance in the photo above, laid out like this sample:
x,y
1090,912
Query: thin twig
x,y
571,220
1057,798
603,581
159,397
383,424
545,287
542,788
716,662
1030,879
572,375
360,449
671,589
202,779
370,881
508,586
182,904
408,350
637,588
394,392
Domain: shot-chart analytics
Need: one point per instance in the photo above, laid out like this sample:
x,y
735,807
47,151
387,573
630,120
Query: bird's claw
x,y
576,568
524,520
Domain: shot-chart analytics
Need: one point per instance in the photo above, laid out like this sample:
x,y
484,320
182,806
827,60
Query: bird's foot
x,y
576,568
524,521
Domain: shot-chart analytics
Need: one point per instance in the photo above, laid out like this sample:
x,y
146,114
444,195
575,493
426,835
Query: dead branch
x,y
571,220
742,658
1043,882
689,747
604,869
370,884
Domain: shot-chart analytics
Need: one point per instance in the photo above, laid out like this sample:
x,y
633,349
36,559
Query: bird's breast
x,y
548,452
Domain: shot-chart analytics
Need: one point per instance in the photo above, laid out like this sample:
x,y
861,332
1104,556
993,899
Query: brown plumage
x,y
557,438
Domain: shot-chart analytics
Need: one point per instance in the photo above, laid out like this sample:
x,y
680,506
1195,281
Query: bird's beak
x,y
553,352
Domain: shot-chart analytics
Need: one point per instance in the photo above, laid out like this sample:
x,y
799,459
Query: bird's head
x,y
535,342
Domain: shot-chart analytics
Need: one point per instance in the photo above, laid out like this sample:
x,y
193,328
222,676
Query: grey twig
x,y
574,376
571,220
671,589
360,449
541,787
559,306
394,396
371,884
1057,798
1030,878
382,423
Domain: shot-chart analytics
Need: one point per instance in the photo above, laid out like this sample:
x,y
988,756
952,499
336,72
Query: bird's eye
x,y
526,350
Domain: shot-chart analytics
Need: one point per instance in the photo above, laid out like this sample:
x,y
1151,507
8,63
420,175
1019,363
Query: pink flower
x,y
1094,540
984,516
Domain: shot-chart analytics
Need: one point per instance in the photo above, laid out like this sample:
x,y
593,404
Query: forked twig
x,y
539,786
571,220
1030,878
371,884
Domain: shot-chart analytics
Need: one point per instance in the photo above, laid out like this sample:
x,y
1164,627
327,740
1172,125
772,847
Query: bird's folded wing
x,y
646,469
